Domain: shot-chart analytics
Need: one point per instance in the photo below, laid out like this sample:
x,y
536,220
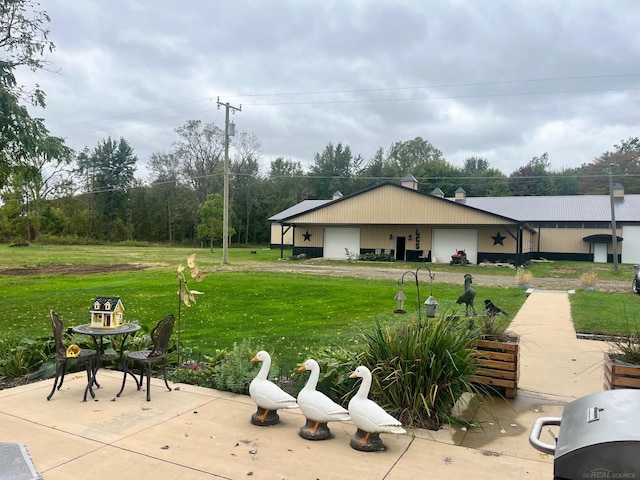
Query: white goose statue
x,y
317,407
268,396
369,417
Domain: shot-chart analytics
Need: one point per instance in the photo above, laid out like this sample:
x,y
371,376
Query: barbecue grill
x,y
599,437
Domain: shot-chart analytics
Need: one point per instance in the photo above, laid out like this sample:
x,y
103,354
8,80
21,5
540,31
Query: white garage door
x,y
447,241
337,239
630,244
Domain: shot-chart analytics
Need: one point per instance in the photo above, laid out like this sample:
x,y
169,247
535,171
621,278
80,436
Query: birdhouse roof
x,y
106,304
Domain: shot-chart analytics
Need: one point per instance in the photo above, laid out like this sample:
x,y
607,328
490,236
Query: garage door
x,y
447,241
337,239
630,244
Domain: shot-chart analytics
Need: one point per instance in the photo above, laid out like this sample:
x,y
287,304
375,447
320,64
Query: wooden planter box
x,y
620,375
498,365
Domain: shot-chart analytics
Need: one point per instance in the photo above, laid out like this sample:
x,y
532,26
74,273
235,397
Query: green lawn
x,y
283,312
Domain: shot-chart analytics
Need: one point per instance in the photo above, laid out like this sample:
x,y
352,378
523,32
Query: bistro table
x,y
98,334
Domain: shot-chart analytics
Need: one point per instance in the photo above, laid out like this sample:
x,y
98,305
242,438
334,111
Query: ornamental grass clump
x,y
589,279
523,276
627,349
420,370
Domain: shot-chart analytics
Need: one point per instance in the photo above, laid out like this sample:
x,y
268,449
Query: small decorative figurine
x,y
369,417
268,396
317,407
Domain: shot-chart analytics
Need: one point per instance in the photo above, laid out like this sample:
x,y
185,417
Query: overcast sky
x,y
505,80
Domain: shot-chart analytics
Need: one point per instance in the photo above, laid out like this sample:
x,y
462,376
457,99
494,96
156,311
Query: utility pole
x,y
225,214
614,233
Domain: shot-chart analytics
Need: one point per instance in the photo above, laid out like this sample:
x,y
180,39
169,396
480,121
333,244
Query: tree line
x,y
49,191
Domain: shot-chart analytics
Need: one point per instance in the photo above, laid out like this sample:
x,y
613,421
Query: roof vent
x,y
410,182
336,195
437,192
618,191
461,195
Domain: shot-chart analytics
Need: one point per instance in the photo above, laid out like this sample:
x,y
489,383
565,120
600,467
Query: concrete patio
x,y
199,433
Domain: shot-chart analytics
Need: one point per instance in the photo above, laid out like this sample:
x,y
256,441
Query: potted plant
x,y
622,363
588,281
523,278
497,353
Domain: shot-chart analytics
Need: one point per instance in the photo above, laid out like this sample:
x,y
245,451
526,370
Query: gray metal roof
x,y
297,209
570,208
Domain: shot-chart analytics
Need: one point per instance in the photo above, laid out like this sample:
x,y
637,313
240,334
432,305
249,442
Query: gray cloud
x,y
507,80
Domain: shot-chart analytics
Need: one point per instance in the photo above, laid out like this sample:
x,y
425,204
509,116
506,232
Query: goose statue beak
x,y
302,368
353,375
255,358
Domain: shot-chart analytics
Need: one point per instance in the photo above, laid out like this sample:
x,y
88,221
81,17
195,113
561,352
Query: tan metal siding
x,y
394,206
316,238
568,240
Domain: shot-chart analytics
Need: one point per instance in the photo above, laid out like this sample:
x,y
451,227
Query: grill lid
x,y
599,436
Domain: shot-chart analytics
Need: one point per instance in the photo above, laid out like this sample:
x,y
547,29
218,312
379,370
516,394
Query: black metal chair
x,y
160,336
85,356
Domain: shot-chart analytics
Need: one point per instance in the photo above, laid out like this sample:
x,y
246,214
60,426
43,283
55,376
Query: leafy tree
x,y
200,151
23,43
376,171
411,156
210,215
109,170
284,186
567,181
533,178
165,179
334,170
480,180
245,195
624,164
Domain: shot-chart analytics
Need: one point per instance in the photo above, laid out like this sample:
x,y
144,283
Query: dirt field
x,y
348,270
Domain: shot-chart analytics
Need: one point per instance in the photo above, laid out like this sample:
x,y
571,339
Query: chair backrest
x,y
160,336
58,327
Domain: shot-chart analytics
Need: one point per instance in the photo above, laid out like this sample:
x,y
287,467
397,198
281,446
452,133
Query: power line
x,y
373,100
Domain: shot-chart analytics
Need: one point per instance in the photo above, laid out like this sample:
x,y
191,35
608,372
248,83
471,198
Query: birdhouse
x,y
107,312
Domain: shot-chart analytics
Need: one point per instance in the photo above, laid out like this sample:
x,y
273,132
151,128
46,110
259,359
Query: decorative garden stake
x,y
185,295
469,294
430,305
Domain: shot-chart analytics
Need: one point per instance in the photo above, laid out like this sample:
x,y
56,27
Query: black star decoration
x,y
498,239
307,236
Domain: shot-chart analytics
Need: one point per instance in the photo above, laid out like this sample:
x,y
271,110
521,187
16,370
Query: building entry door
x,y
401,248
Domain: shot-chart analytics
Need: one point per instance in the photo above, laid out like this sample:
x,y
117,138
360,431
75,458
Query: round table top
x,y
125,328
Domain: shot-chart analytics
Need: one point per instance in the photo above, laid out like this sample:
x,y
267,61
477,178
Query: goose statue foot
x,y
265,418
367,441
315,430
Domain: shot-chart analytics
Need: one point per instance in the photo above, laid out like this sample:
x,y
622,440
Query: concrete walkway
x,y
199,433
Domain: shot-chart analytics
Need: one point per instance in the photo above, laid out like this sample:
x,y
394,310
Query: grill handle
x,y
536,430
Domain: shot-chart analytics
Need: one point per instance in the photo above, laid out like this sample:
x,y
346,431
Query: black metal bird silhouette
x,y
493,310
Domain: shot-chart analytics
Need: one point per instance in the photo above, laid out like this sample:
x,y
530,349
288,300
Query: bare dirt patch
x,y
68,269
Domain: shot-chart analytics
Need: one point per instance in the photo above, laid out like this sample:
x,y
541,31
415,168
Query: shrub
x,y
376,257
21,356
420,369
